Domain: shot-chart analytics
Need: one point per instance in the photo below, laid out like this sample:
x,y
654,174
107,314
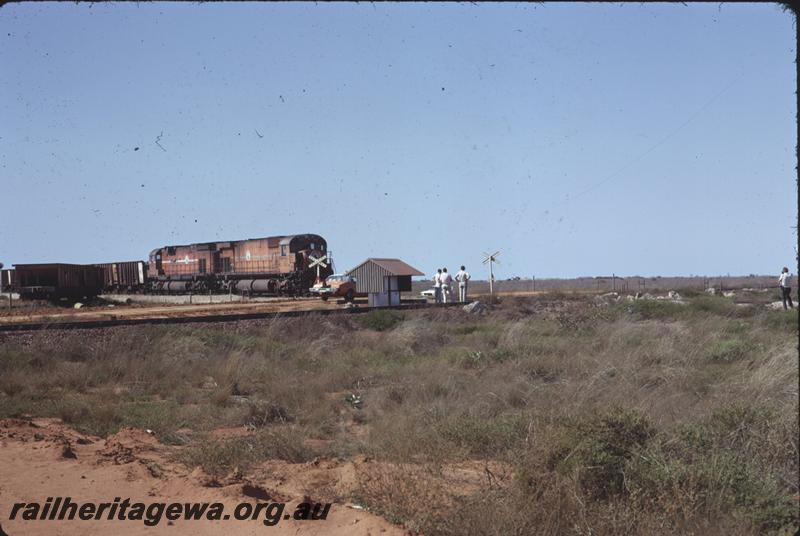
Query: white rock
x,y
475,307
78,305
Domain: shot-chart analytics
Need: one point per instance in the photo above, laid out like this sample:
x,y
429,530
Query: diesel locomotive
x,y
272,265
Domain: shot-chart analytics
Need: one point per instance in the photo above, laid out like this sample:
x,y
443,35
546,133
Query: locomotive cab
x,y
155,262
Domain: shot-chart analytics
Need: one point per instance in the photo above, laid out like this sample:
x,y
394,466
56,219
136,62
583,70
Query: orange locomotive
x,y
276,265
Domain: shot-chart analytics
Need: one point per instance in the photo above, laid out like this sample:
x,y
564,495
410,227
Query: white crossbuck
x,y
313,261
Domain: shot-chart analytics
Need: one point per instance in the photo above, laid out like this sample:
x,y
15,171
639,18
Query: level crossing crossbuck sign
x,y
313,261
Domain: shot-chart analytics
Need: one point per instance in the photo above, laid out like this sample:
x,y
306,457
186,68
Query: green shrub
x,y
220,457
483,437
96,419
705,469
656,309
730,349
691,293
595,451
381,319
109,416
712,304
782,321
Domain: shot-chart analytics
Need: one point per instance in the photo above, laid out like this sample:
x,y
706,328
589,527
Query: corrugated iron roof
x,y
393,266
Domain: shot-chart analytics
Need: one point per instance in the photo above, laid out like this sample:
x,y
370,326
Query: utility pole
x,y
10,290
491,259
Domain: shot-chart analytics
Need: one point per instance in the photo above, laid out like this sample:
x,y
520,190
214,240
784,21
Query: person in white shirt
x,y
462,277
437,286
785,281
446,280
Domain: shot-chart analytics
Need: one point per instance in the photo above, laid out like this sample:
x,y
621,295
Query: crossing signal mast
x,y
491,259
317,262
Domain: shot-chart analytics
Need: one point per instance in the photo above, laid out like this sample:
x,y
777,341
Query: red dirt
x,y
44,458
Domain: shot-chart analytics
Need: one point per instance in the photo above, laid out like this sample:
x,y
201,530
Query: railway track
x,y
92,323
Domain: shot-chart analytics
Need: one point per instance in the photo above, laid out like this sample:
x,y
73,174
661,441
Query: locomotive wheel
x,y
349,296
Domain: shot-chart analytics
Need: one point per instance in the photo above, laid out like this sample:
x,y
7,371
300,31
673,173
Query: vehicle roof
x,y
283,239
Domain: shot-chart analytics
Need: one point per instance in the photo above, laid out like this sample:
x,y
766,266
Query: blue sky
x,y
578,139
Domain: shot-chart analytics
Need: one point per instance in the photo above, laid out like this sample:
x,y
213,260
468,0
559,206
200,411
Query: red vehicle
x,y
336,285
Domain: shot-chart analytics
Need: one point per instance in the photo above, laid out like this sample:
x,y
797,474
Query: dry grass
x,y
649,418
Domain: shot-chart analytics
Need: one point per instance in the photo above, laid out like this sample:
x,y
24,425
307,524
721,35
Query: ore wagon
x,y
57,281
125,276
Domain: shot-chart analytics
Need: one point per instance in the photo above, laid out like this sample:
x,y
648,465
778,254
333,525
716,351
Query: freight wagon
x,y
126,276
57,281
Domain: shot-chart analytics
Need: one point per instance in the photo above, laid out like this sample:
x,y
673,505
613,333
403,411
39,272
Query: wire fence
x,y
629,285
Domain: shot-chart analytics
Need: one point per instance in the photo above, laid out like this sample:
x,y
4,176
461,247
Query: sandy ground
x,y
43,458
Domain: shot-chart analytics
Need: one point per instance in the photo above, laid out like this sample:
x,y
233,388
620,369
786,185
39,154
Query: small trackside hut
x,y
383,280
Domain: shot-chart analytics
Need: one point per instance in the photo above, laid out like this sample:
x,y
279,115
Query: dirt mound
x,y
47,434
44,458
125,446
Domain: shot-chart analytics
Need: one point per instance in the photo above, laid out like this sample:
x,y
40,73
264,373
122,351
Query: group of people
x,y
443,281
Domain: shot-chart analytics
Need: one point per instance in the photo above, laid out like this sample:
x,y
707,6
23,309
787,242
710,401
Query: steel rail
x,y
232,317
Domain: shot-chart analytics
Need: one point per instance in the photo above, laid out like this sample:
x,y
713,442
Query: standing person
x,y
446,280
785,281
437,286
462,277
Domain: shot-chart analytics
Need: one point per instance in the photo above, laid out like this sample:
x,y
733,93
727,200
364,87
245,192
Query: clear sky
x,y
578,139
